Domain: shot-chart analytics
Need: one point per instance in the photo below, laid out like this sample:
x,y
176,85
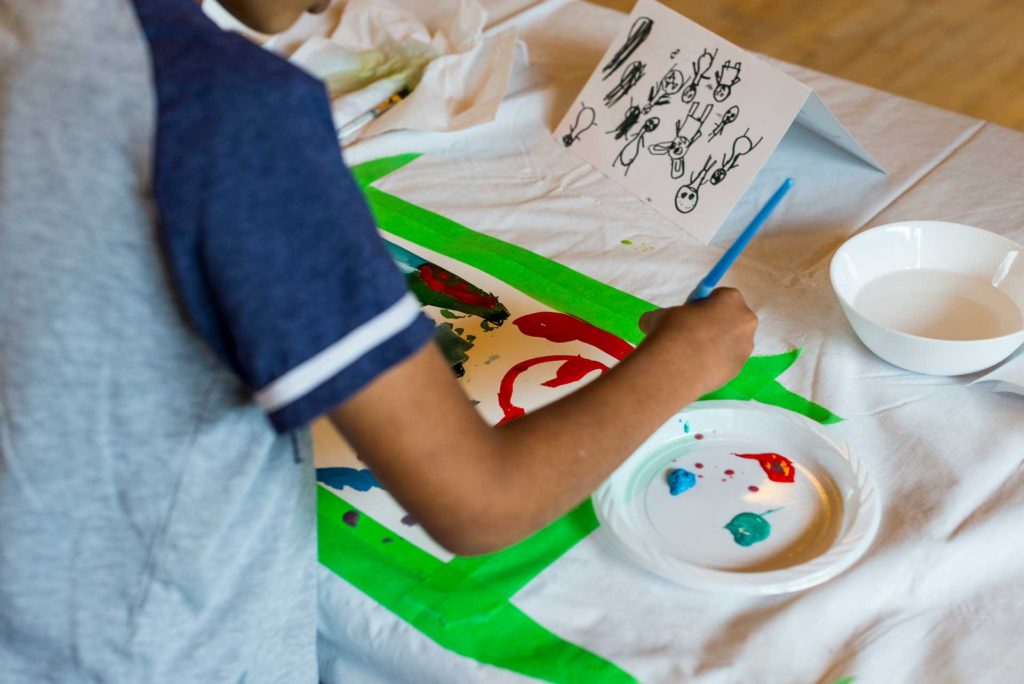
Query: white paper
x,y
684,119
816,117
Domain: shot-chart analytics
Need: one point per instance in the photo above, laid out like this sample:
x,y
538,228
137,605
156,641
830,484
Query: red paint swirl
x,y
572,369
559,328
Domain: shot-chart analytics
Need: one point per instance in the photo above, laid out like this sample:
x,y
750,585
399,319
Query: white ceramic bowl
x,y
933,297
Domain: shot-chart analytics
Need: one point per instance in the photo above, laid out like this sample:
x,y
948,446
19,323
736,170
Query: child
x,y
182,255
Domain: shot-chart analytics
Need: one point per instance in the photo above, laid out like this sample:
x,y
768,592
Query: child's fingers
x,y
649,321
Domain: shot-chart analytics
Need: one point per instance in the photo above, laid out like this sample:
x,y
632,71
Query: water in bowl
x,y
939,304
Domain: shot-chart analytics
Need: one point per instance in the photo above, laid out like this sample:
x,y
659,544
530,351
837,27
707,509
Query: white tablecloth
x,y
940,595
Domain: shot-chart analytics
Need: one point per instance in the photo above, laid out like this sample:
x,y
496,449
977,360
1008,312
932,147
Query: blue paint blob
x,y
359,479
680,480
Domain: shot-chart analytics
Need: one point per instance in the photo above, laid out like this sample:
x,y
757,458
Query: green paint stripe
x,y
372,171
458,612
757,381
757,373
547,281
777,395
509,570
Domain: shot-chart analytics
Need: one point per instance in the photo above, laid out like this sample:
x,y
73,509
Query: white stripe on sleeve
x,y
320,368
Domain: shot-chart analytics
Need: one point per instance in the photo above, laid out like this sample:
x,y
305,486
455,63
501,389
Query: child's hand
x,y
713,336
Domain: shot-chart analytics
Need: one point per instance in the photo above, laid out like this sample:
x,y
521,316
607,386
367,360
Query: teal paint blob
x,y
686,427
750,528
680,480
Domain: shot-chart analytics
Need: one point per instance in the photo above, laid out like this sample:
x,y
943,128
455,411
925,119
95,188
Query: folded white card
x,y
684,119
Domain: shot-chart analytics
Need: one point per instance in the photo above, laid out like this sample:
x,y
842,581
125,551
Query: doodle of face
x,y
730,114
686,199
718,176
567,140
680,146
721,93
689,92
651,124
672,82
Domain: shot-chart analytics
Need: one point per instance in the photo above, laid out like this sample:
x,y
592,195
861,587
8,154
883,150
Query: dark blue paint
x,y
359,479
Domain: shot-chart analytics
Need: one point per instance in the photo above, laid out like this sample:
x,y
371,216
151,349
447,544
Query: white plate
x,y
817,525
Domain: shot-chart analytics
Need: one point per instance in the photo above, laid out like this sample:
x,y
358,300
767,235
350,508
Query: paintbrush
x,y
348,130
705,286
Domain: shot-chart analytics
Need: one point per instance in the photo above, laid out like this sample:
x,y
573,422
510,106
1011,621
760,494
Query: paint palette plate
x,y
765,503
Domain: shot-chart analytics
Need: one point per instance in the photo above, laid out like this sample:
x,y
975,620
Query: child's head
x,y
271,16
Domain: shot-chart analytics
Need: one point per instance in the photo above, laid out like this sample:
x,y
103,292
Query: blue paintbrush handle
x,y
707,285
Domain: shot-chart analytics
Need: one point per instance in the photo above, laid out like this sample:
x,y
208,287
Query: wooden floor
x,y
964,55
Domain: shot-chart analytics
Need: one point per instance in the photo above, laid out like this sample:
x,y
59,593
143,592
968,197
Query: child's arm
x,y
477,489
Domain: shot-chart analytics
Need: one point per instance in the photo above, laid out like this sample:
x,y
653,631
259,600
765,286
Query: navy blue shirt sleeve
x,y
271,246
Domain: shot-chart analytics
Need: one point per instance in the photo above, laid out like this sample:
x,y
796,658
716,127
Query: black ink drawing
x,y
725,79
629,78
638,33
628,121
631,150
687,133
688,195
585,118
700,69
661,92
728,117
674,53
740,146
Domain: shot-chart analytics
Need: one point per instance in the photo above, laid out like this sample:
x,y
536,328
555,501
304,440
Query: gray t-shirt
x,y
187,277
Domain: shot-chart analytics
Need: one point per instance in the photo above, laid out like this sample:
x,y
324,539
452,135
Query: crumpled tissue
x,y
456,75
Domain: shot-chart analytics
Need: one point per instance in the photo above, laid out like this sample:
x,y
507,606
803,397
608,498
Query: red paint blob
x,y
698,465
440,280
698,436
730,472
778,468
753,488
